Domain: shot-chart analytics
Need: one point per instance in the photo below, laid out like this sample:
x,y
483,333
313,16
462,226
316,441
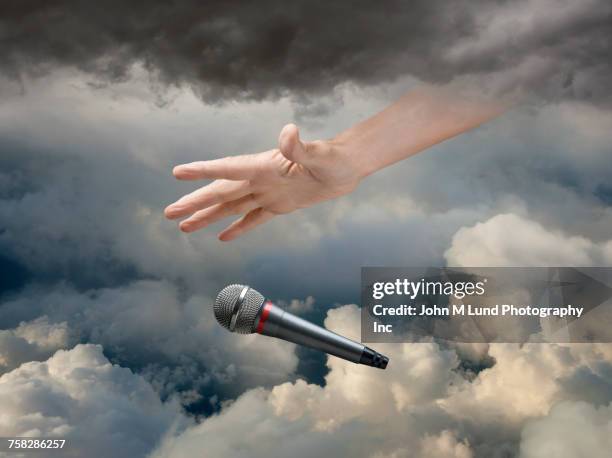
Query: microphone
x,y
241,309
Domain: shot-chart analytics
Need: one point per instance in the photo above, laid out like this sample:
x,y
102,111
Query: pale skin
x,y
299,174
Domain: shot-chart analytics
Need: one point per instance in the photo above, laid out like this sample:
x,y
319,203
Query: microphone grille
x,y
247,313
251,305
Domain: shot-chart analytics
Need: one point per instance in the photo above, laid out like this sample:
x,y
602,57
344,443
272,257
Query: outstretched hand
x,y
300,174
260,186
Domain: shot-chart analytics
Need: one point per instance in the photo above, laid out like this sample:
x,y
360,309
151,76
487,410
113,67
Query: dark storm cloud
x,y
232,50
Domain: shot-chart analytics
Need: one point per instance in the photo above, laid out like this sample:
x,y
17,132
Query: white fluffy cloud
x,y
420,407
420,374
444,445
513,240
379,410
35,340
100,408
524,382
571,429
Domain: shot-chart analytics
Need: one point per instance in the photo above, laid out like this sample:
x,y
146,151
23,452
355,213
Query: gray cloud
x,y
97,191
84,208
253,51
85,175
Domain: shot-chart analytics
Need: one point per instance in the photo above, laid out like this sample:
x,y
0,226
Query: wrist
x,y
347,151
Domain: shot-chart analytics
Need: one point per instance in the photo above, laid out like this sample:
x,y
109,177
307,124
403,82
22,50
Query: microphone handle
x,y
273,321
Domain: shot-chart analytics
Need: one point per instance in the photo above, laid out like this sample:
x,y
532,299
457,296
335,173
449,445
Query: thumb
x,y
290,144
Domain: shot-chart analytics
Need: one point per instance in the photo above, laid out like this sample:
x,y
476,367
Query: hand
x,y
300,174
260,186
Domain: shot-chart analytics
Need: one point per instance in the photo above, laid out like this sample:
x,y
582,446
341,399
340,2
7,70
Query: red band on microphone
x,y
264,316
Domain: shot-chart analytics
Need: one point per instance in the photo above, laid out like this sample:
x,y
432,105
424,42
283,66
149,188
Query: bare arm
x,y
299,174
418,120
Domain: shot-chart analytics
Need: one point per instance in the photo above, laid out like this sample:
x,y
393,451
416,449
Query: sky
x,y
106,323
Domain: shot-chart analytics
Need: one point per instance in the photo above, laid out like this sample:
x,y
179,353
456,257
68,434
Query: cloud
x,y
78,395
503,396
85,175
256,51
513,240
176,344
570,429
420,374
35,340
96,192
445,445
359,411
421,400
299,306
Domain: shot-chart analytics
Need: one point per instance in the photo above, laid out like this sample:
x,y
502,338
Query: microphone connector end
x,y
372,358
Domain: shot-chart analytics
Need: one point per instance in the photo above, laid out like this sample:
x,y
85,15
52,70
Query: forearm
x,y
420,119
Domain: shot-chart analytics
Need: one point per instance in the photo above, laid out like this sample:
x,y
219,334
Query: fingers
x,y
290,144
229,168
213,214
217,192
249,221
